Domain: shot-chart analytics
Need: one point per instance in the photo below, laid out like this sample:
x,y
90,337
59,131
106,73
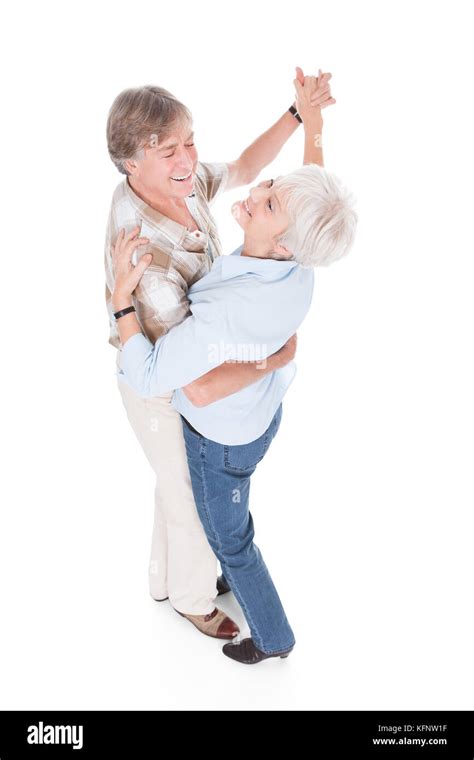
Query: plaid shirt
x,y
180,257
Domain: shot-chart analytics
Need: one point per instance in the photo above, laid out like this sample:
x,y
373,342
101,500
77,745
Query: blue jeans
x,y
220,477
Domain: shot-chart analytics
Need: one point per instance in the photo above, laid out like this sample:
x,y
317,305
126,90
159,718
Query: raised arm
x,y
267,146
310,111
261,152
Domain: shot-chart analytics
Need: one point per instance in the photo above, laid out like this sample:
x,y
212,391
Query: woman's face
x,y
262,215
168,168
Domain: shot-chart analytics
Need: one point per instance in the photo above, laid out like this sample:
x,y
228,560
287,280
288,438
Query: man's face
x,y
168,167
262,216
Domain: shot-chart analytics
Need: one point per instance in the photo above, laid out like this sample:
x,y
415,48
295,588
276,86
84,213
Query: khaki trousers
x,y
182,564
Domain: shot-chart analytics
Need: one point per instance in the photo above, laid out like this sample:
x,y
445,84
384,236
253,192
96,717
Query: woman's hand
x,y
312,94
127,276
320,89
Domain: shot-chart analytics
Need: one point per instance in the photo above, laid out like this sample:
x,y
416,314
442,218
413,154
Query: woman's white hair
x,y
322,219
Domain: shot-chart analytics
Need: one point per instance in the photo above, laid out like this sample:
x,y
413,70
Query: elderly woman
x,y
167,192
298,222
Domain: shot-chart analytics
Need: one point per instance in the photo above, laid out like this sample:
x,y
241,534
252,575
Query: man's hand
x,y
286,353
127,276
321,93
230,377
312,94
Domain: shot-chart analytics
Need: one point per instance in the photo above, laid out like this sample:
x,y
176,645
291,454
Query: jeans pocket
x,y
247,456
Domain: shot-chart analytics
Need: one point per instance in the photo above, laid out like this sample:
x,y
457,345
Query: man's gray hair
x,y
322,218
140,117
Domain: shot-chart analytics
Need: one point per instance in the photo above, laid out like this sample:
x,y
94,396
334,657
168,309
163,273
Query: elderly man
x,y
168,191
257,297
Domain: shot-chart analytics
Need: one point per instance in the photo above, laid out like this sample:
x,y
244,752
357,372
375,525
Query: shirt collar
x,y
236,264
175,231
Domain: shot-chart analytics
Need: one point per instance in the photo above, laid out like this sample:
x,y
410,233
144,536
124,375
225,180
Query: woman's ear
x,y
282,252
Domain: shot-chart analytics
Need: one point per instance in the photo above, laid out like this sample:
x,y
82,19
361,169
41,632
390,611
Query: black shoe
x,y
246,652
222,586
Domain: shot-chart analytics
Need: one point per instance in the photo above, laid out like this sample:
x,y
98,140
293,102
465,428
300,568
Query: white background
x,y
364,507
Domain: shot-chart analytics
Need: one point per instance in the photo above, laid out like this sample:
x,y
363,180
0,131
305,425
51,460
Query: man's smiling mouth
x,y
182,179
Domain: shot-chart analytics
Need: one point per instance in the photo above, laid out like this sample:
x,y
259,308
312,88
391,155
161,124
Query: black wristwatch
x,y
295,113
123,312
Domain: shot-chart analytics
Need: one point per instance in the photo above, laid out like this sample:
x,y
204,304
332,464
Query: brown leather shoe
x,y
247,653
217,624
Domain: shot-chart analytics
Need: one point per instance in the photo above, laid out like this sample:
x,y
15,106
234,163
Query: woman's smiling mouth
x,y
246,207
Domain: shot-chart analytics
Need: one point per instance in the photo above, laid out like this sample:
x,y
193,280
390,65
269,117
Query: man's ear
x,y
282,252
130,166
